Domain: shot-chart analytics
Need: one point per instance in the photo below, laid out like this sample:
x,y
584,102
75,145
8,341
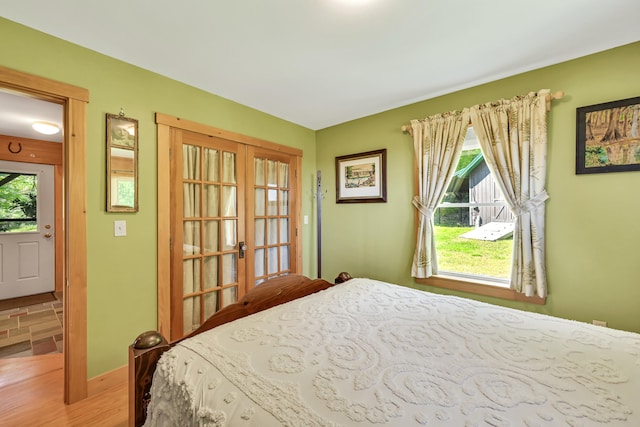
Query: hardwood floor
x,y
31,390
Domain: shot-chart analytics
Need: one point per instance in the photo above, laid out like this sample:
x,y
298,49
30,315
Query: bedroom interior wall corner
x,y
592,225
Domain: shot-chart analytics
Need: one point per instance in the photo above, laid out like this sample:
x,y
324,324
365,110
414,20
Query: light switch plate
x,y
119,228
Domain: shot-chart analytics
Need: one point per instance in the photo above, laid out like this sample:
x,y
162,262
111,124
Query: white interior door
x,y
27,236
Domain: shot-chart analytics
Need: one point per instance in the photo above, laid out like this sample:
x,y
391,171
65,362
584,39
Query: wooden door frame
x,y
165,128
73,230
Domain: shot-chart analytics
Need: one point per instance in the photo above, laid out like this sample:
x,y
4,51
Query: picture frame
x,y
608,137
362,177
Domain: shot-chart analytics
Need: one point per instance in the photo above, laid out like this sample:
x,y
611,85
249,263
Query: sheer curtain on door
x,y
201,230
191,234
229,241
272,237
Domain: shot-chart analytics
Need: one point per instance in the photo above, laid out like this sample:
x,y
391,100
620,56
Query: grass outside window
x,y
470,256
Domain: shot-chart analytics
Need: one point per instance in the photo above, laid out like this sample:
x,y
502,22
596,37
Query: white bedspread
x,y
370,353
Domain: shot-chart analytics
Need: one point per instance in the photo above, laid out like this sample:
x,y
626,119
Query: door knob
x,y
47,235
242,246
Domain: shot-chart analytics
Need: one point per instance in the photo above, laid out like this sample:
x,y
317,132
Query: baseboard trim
x,y
107,380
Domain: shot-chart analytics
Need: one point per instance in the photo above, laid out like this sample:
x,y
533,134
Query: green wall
x,y
594,271
593,221
121,278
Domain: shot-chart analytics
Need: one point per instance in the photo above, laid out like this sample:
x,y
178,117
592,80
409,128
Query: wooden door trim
x,y
176,243
41,87
31,151
178,123
297,204
74,101
165,135
241,232
75,310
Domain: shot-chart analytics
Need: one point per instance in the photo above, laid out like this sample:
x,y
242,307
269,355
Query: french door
x,y
234,222
270,197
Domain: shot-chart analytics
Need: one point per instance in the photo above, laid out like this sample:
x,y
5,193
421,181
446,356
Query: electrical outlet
x,y
119,228
600,323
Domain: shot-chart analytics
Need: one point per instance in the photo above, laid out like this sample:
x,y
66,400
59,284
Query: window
x,y
473,223
122,190
513,135
18,198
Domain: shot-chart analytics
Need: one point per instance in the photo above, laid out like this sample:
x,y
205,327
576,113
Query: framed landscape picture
x,y
361,178
608,137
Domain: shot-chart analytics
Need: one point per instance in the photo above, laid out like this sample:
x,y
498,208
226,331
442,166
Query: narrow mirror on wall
x,y
122,164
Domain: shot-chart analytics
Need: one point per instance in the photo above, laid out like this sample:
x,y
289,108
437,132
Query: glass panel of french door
x,y
209,188
272,229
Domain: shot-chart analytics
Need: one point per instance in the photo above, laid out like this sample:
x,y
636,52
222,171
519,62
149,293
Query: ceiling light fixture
x,y
354,2
45,128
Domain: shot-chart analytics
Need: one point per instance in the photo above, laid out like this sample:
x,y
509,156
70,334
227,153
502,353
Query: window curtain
x,y
513,137
437,142
211,227
193,242
229,212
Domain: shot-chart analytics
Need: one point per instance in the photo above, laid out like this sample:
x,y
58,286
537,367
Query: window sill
x,y
479,288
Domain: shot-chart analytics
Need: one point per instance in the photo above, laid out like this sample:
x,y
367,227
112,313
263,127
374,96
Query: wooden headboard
x,y
147,348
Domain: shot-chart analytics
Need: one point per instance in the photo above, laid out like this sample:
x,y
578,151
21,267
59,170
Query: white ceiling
x,y
318,63
19,112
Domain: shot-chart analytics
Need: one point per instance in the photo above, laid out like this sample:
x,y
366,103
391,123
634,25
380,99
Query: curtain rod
x,y
557,95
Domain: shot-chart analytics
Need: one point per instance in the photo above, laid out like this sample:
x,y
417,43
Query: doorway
x,y
30,310
72,230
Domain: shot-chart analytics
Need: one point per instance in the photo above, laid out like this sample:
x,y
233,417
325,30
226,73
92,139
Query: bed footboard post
x,y
144,354
342,277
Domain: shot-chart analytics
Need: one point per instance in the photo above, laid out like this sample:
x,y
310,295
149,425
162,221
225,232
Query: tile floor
x,y
32,330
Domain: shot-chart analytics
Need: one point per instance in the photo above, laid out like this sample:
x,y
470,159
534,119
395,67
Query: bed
x,y
309,353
